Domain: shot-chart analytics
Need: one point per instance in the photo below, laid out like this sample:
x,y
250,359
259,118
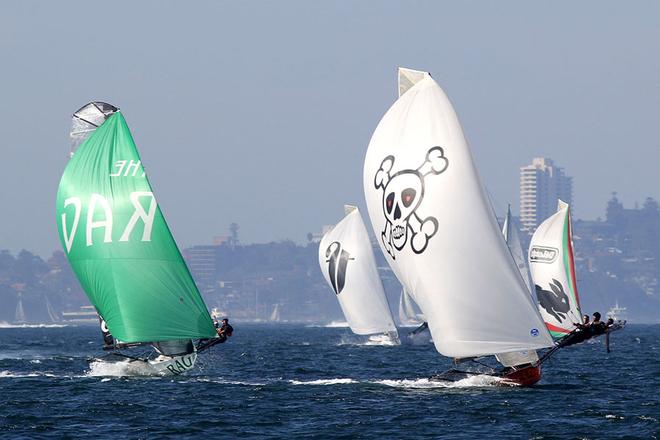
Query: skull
x,y
401,196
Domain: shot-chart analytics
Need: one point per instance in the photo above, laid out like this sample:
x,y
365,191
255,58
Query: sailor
x,y
225,330
597,327
584,324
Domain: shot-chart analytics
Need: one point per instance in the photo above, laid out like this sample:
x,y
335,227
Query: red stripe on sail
x,y
571,263
554,328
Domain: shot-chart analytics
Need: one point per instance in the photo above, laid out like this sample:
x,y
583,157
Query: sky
x,y
260,113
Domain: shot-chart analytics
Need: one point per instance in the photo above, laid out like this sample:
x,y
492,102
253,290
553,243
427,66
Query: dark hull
x,y
521,376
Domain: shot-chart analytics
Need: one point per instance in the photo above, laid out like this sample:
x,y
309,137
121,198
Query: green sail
x,y
120,246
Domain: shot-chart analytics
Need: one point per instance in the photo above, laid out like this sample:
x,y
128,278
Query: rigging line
x,y
85,120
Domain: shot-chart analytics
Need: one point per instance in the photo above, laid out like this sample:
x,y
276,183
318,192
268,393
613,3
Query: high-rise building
x,y
541,184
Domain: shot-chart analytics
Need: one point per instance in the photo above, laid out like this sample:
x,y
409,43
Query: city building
x,y
541,184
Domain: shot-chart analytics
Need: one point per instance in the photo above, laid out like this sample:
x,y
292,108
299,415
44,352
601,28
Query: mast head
x,y
87,119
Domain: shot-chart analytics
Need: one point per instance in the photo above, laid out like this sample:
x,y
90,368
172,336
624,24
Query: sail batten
x,y
348,265
118,243
435,226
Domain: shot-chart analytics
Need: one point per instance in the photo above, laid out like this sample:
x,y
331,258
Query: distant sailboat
x,y
19,314
435,226
52,314
348,265
275,315
122,251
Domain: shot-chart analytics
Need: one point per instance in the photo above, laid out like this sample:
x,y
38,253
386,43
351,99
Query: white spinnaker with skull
x,y
465,280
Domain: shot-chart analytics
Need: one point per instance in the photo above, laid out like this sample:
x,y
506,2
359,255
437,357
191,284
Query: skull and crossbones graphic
x,y
403,192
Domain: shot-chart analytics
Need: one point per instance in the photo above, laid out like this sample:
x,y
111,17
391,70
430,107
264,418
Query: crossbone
x,y
402,194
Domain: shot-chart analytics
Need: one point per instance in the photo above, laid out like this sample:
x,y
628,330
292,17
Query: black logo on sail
x,y
403,192
554,301
543,254
337,259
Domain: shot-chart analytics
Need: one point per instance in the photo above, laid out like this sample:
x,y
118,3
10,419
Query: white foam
x,y
230,382
5,324
125,368
374,340
476,381
336,381
336,324
7,373
382,340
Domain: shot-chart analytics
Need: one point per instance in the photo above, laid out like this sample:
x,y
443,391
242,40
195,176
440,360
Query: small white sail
x,y
553,272
408,316
436,229
275,316
348,265
52,314
19,314
510,231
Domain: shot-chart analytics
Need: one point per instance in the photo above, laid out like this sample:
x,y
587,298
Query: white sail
x,y
436,228
275,316
408,316
348,265
510,231
553,272
52,314
19,314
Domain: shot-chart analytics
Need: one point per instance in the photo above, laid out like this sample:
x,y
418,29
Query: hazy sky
x,y
260,112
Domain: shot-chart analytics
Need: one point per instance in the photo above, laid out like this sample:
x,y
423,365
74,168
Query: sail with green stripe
x,y
553,272
116,238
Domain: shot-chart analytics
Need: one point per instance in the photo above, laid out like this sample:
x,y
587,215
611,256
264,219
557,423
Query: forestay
x,y
348,265
117,241
436,229
553,272
512,238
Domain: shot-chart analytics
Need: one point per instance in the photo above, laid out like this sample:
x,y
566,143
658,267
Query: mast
x,y
435,226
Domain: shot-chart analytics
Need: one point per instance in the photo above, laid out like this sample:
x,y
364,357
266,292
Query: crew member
x,y
597,327
225,330
584,324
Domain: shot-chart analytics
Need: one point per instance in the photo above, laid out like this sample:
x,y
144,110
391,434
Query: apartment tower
x,y
541,184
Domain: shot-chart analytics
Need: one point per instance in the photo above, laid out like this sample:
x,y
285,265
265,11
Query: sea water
x,y
287,381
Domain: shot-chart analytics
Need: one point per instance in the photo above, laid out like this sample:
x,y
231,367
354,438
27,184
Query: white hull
x,y
160,366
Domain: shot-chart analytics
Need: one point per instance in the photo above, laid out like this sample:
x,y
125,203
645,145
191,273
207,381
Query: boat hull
x,y
160,366
525,377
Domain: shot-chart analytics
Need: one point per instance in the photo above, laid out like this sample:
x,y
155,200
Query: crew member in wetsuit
x,y
584,324
597,326
225,330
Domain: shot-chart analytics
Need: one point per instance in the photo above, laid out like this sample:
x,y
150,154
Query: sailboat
x,y
435,226
275,315
349,266
19,313
553,270
123,253
52,314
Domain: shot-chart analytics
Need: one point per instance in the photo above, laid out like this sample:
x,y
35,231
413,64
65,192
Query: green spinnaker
x,y
120,246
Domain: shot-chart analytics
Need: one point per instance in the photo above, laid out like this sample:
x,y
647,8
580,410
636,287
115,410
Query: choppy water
x,y
300,382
